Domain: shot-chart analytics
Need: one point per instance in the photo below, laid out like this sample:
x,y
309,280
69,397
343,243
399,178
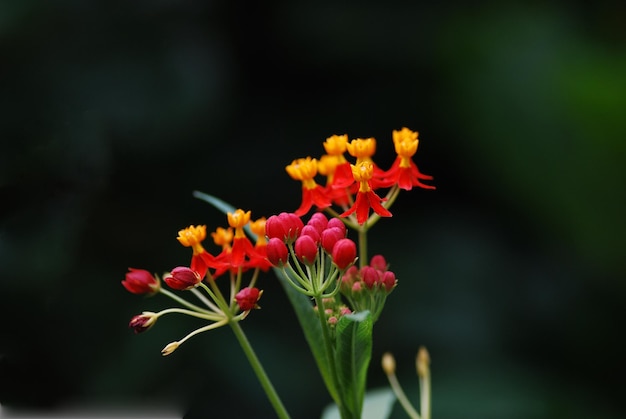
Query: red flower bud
x,y
139,281
319,221
247,298
330,236
284,226
182,278
369,276
142,322
344,253
379,263
336,222
389,280
306,249
309,230
277,252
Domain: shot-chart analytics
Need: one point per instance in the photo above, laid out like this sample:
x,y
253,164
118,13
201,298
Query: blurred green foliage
x,y
511,272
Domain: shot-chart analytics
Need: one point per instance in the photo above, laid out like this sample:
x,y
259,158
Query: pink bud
x,y
379,263
389,280
344,253
139,281
277,252
293,225
142,322
336,222
330,236
275,228
369,276
309,230
306,249
182,278
247,298
284,226
319,221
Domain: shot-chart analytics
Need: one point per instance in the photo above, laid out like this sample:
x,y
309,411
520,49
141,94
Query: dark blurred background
x,y
511,272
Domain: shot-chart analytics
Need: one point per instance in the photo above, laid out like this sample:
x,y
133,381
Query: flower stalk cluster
x,y
336,290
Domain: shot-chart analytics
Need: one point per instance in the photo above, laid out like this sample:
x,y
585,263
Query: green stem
x,y
330,353
363,246
213,317
260,372
183,301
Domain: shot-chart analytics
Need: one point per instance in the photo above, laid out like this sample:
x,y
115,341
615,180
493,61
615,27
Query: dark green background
x,y
512,272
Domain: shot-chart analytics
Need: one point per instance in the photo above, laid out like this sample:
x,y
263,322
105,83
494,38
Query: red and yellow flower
x,y
404,171
193,236
305,171
366,198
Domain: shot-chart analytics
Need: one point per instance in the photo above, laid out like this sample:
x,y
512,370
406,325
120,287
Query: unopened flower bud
x,y
369,276
182,278
140,281
142,322
309,230
285,226
378,262
277,252
169,348
332,320
389,280
306,249
336,222
344,253
318,221
330,236
389,363
247,298
422,362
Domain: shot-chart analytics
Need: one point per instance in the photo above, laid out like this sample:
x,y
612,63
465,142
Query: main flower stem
x,y
330,354
363,245
260,372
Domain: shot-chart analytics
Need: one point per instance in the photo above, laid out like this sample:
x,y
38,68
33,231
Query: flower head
x,y
366,198
193,236
305,171
404,171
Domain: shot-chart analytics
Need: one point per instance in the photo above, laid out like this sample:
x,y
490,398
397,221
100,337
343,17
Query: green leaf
x,y
310,324
353,354
378,404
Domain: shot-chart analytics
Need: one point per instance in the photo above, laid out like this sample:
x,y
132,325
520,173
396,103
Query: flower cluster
x,y
366,288
238,254
352,187
336,293
311,255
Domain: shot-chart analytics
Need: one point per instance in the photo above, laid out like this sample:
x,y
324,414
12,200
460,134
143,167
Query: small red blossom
x,y
247,298
366,198
140,281
312,193
404,171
